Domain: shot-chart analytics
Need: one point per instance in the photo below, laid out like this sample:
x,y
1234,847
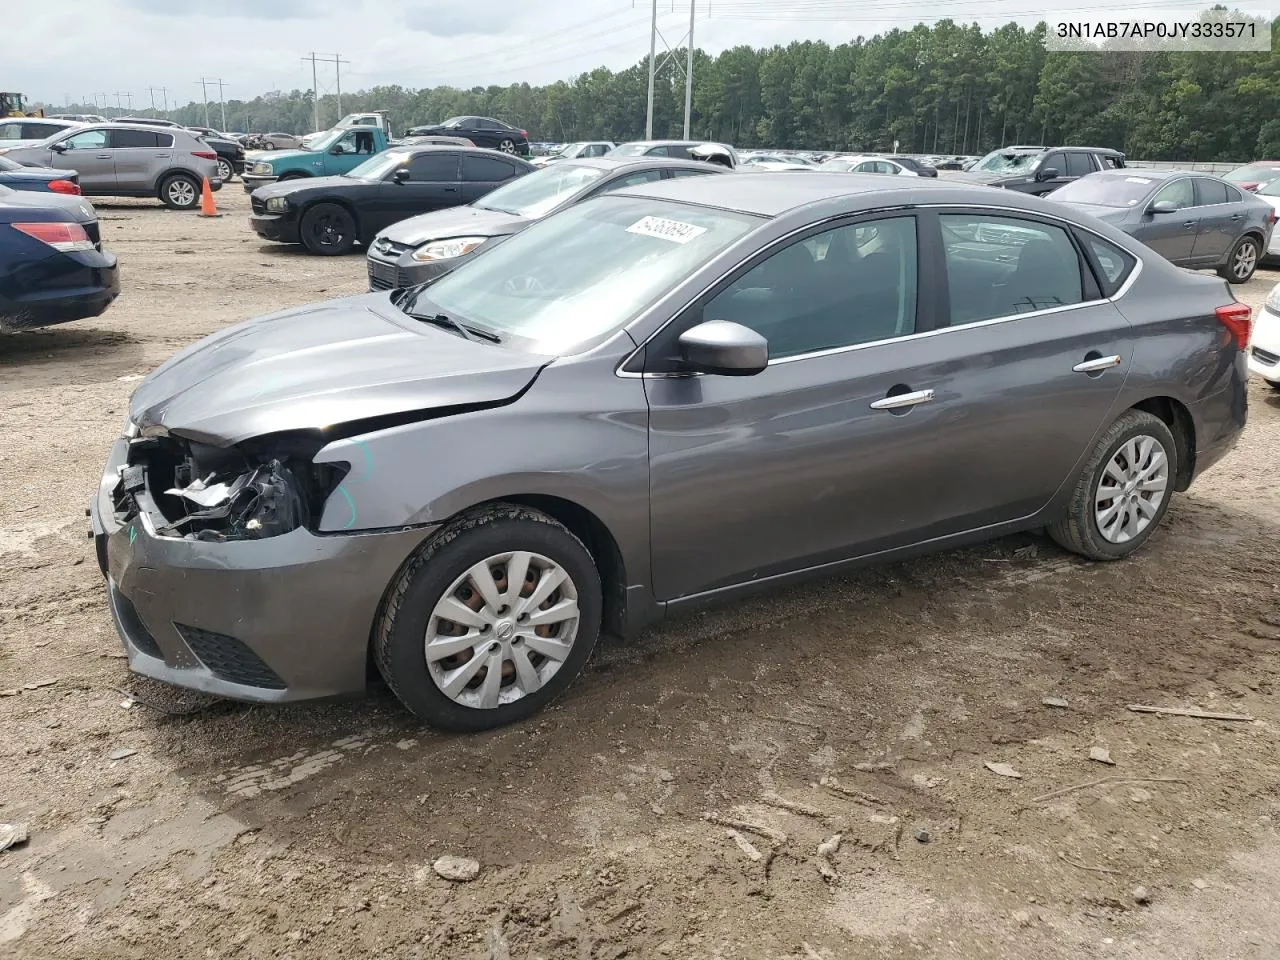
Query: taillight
x,y
204,154
64,186
61,236
1235,317
525,134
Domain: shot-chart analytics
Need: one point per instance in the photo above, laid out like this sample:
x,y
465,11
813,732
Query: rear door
x,y
432,185
88,153
1172,235
480,174
1079,164
140,155
1220,222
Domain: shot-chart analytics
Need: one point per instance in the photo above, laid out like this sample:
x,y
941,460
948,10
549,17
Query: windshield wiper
x,y
444,320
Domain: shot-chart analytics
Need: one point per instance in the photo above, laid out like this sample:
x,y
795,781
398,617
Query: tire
x,y
438,574
180,191
328,229
1274,384
1242,261
268,145
507,145
1126,439
292,176
226,172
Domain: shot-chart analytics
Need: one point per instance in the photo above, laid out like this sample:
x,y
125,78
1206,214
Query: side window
x,y
1079,164
121,139
1004,266
854,284
164,140
89,140
685,172
1110,163
10,131
659,152
1209,192
867,166
347,144
1179,192
39,131
485,169
1056,160
597,150
631,180
1234,195
434,167
1113,263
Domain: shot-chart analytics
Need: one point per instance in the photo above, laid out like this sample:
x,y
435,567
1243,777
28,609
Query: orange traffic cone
x,y
207,209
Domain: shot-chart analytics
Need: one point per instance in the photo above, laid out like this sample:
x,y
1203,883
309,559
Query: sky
x,y
155,49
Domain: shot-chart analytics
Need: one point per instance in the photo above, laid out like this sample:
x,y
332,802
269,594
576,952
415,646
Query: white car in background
x,y
774,161
28,131
1270,192
868,165
576,151
1264,343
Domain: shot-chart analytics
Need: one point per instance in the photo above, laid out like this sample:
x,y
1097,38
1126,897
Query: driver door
x,y
432,185
88,153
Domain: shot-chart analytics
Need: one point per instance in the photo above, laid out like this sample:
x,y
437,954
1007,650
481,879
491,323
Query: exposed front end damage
x,y
218,579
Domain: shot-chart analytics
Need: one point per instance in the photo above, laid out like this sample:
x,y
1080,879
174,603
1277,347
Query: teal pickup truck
x,y
331,155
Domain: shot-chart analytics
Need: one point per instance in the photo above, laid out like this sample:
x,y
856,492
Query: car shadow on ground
x,y
68,342
298,250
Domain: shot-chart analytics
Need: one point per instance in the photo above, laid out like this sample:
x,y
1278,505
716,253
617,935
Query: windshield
x,y
536,194
587,271
324,142
1271,189
379,165
630,150
999,161
568,150
1254,173
844,166
1106,191
453,122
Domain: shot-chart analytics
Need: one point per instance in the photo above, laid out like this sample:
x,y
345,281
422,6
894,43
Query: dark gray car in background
x,y
427,246
1190,219
660,398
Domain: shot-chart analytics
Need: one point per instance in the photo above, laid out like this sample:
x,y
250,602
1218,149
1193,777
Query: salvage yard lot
x,y
866,706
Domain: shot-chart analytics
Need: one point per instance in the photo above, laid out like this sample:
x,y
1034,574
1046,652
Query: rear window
x,y
140,138
486,169
1111,264
1210,192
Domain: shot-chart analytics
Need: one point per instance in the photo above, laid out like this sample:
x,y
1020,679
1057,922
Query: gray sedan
x,y
660,398
1190,219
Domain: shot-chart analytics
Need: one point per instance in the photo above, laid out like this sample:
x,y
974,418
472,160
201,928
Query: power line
x,y
337,61
164,93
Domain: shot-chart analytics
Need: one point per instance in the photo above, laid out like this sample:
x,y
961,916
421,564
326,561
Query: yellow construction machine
x,y
12,105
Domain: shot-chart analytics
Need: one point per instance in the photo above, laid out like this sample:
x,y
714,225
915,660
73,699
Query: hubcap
x,y
328,231
1131,489
224,170
506,146
502,630
1246,257
182,193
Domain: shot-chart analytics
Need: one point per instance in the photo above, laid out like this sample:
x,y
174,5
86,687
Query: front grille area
x,y
134,629
382,276
229,659
259,205
1264,356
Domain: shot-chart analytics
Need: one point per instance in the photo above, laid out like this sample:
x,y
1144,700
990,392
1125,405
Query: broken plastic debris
x,y
1101,755
12,835
121,753
1002,769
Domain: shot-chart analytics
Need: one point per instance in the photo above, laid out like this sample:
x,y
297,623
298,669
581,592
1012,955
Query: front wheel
x,y
491,620
226,172
1123,492
328,229
180,192
507,145
1241,262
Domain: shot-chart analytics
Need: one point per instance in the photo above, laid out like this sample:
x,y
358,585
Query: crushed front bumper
x,y
252,182
271,620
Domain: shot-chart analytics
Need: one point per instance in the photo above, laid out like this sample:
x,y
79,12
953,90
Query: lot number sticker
x,y
664,229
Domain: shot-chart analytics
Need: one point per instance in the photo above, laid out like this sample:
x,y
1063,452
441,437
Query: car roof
x,y
426,148
773,194
634,163
1146,174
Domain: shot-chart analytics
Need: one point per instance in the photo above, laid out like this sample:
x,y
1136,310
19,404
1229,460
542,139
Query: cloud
x,y
456,19
246,9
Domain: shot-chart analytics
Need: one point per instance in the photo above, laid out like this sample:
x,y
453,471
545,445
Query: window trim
x,y
620,370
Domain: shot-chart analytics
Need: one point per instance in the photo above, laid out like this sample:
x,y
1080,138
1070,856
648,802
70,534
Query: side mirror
x,y
724,348
1163,206
401,175
337,150
58,147
1048,173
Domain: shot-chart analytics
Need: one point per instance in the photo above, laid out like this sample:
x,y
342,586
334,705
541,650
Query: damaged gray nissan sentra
x,y
657,398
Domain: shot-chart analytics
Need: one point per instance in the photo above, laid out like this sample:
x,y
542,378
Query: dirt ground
x,y
864,706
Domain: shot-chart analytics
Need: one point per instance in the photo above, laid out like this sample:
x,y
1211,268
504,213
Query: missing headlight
x,y
265,488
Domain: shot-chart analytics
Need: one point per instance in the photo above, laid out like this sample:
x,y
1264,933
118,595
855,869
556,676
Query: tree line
x,y
942,89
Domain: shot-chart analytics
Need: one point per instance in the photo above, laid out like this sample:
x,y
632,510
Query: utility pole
x,y
205,90
337,79
221,102
315,91
653,51
337,62
688,76
164,93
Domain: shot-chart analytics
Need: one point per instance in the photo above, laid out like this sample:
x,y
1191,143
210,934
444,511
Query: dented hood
x,y
320,366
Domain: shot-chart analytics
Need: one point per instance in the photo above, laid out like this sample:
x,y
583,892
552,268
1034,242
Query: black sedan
x,y
329,215
52,265
230,151
40,179
431,245
482,131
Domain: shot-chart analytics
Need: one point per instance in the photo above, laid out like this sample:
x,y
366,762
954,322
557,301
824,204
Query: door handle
x,y
104,156
1097,364
1189,224
1235,217
900,400
450,189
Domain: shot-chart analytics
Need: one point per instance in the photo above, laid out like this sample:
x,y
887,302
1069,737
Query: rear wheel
x,y
491,620
1123,491
226,172
180,191
507,145
328,229
1242,261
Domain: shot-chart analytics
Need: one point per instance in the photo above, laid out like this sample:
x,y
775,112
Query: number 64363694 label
x,y
664,229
